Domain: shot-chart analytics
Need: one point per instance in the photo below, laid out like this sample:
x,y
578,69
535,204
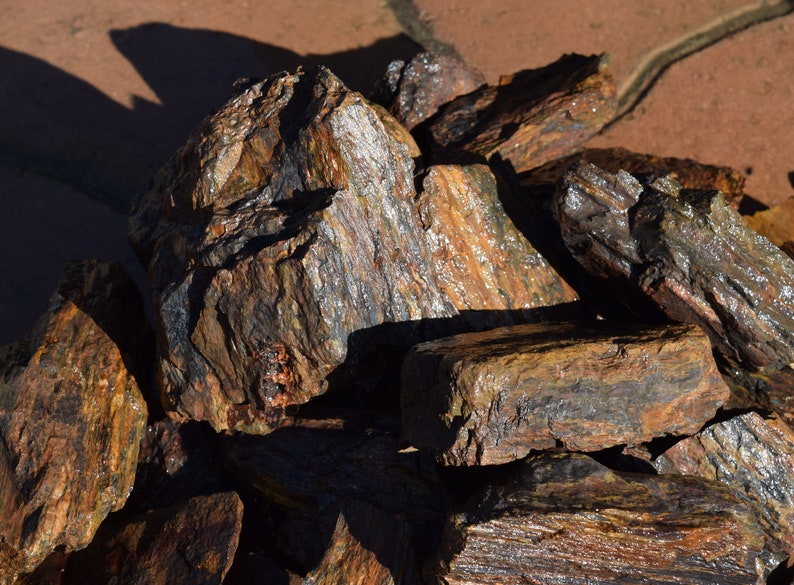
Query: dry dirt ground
x,y
96,95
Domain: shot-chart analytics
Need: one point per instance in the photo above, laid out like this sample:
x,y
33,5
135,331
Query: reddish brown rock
x,y
71,420
569,520
489,398
367,547
191,542
412,92
775,224
690,253
754,458
529,118
284,234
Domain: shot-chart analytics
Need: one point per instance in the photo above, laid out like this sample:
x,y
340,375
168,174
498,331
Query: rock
x,y
412,92
689,173
690,253
754,458
308,471
71,421
285,244
568,519
368,547
489,398
191,542
529,118
775,224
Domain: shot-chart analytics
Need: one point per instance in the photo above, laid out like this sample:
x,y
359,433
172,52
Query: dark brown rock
x,y
307,471
489,398
529,118
71,420
690,253
191,542
412,92
285,236
689,173
568,519
367,547
754,458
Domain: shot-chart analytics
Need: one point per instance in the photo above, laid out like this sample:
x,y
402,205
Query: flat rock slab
x,y
754,457
71,420
528,118
367,547
191,542
286,232
690,253
491,397
570,520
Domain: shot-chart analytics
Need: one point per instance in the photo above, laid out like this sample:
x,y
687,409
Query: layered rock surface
x,y
754,458
567,519
71,420
529,118
690,253
286,231
491,397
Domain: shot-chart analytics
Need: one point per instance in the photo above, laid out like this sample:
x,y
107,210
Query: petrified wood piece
x,y
689,173
71,421
367,547
414,91
570,520
191,542
286,225
529,118
690,253
754,458
491,397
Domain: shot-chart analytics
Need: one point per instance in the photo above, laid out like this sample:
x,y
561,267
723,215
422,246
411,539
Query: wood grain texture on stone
x,y
569,520
491,397
71,421
283,229
753,457
690,253
190,542
529,118
689,173
412,92
367,547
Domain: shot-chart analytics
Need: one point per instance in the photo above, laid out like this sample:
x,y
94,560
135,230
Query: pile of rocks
x,y
413,339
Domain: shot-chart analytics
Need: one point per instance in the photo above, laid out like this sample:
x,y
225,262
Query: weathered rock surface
x,y
285,233
529,118
568,519
689,173
754,458
71,421
690,253
412,92
367,547
491,397
191,542
308,470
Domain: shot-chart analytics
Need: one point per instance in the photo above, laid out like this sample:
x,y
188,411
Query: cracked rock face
x,y
491,397
287,232
690,253
68,405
